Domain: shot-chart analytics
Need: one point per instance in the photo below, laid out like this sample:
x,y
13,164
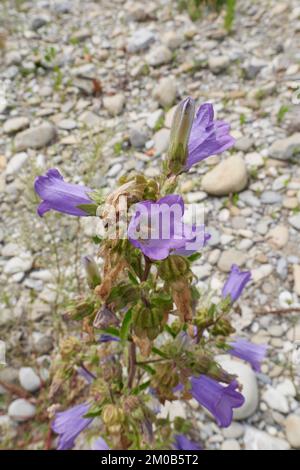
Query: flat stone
x,y
292,429
161,141
21,410
218,64
276,400
15,124
296,274
229,176
138,137
140,40
284,149
29,380
244,144
254,160
271,197
155,118
35,137
67,124
230,444
234,431
165,92
159,55
260,440
230,257
15,163
18,264
114,104
90,119
294,220
172,39
278,236
260,273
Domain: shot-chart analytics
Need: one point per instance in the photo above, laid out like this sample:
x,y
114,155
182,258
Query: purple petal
x,y
235,283
69,424
250,352
183,443
218,399
208,137
100,444
59,195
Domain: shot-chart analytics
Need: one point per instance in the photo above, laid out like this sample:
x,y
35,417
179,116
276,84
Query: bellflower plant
x,y
147,335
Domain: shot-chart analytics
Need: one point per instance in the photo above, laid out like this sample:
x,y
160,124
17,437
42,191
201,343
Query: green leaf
x,y
97,240
141,387
194,257
170,331
133,279
147,368
111,331
126,325
94,411
90,209
159,352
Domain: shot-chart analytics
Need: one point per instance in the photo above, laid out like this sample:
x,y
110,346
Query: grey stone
x,y
16,162
271,197
284,149
138,136
140,40
114,104
172,39
38,22
244,144
15,124
292,429
230,257
294,220
29,380
35,137
218,64
155,118
18,264
159,55
260,440
230,444
276,400
90,119
161,141
67,124
229,176
165,91
43,344
21,410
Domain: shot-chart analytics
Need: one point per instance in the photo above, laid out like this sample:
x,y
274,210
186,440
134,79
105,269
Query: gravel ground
x,y
90,87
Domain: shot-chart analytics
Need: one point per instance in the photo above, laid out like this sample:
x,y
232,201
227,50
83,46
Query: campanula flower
x,y
100,444
69,424
218,399
250,352
183,443
60,196
157,229
208,136
235,283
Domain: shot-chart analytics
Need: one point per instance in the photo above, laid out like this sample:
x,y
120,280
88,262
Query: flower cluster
x,y
147,335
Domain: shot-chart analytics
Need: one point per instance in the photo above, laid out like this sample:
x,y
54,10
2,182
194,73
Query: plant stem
x,y
132,346
279,311
131,364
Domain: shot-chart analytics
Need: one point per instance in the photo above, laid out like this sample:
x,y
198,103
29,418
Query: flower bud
x,y
69,346
92,271
173,268
180,133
